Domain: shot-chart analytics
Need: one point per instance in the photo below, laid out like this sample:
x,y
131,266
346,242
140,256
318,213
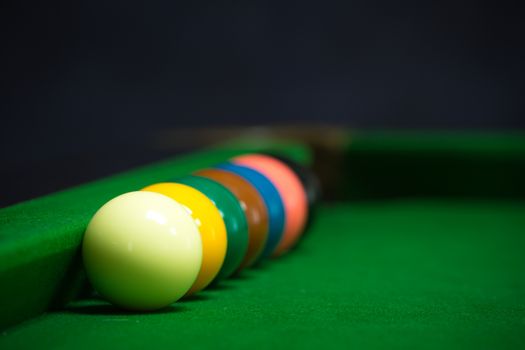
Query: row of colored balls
x,y
146,249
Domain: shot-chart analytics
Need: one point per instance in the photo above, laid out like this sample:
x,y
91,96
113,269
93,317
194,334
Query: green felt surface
x,y
413,273
39,239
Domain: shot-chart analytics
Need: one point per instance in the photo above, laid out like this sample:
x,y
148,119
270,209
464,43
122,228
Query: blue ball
x,y
272,199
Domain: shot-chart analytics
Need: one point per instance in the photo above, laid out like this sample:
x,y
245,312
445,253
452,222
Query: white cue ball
x,y
142,251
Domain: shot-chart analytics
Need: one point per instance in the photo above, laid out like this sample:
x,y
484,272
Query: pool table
x,y
419,242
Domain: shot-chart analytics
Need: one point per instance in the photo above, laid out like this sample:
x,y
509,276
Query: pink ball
x,y
291,191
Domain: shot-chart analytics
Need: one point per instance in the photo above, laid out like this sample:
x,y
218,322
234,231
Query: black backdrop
x,y
81,76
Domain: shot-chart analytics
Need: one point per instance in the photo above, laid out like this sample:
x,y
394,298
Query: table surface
x,y
405,273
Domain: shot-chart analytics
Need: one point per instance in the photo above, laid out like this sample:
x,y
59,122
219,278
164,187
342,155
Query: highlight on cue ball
x,y
210,224
142,251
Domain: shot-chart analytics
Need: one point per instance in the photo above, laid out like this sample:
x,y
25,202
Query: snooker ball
x,y
292,193
253,207
210,224
308,179
310,183
142,251
234,219
272,199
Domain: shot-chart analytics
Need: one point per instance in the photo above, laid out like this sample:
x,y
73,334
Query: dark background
x,y
85,84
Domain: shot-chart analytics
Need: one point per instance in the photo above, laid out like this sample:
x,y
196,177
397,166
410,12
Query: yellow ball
x,y
142,251
211,226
